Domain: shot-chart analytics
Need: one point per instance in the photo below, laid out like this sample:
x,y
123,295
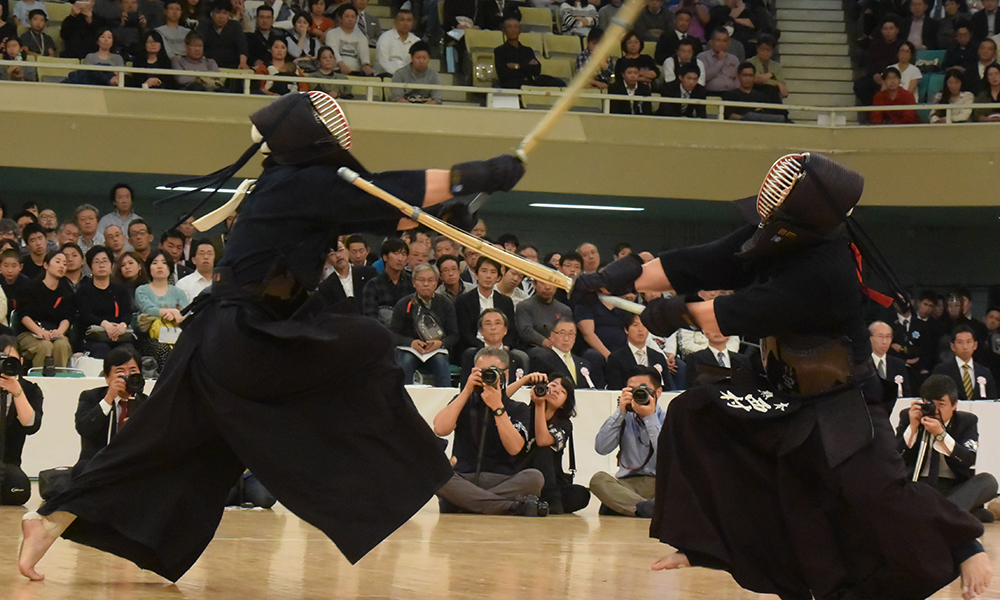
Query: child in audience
x,y
35,41
12,51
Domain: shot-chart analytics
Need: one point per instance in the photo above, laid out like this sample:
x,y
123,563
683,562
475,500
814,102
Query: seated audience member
x,y
684,55
492,15
66,233
392,50
279,64
387,288
425,328
721,67
35,41
140,237
569,264
882,52
194,60
121,197
12,51
417,73
893,95
749,92
36,243
104,56
22,401
891,371
510,286
577,17
975,79
259,40
452,285
920,29
114,239
909,74
632,47
549,430
174,34
636,353
159,304
470,305
516,64
538,315
952,438
769,71
653,21
105,307
203,257
974,380
716,355
101,412
685,87
963,52
350,46
346,280
489,435
302,47
445,247
80,29
224,40
320,22
558,359
152,11
154,56
669,40
46,309
471,259
629,85
368,23
192,12
984,22
74,265
602,330
326,64
989,95
607,12
602,79
172,243
129,271
634,430
493,327
127,31
13,281
951,93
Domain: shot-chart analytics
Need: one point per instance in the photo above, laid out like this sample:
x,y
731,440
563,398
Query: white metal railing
x,y
374,83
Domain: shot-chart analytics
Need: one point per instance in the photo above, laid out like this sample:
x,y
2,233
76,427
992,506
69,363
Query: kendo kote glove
x,y
664,316
498,174
618,278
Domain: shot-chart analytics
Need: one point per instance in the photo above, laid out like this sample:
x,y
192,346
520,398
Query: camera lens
x,y
540,389
640,395
491,376
134,383
10,366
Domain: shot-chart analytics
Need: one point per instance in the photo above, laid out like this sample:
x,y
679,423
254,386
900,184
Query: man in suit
x,y
685,86
368,23
974,380
984,22
623,361
172,242
346,280
950,439
470,305
974,74
492,330
920,29
22,402
716,355
560,360
100,411
891,370
629,85
669,40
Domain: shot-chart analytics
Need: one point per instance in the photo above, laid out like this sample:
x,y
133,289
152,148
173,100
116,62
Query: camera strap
x,y
4,399
618,457
482,446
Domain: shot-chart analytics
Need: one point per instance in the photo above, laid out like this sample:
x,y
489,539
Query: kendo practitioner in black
x,y
267,377
791,480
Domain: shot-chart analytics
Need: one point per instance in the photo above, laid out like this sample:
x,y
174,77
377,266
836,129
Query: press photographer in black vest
x,y
489,435
944,441
20,416
101,412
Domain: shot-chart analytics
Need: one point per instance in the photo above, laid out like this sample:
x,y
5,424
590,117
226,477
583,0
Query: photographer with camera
x,y
489,435
20,416
634,429
550,433
942,442
101,412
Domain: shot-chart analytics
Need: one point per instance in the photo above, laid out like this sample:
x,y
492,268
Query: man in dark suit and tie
x,y
985,23
624,360
716,355
891,370
470,305
974,380
920,26
101,412
685,86
560,360
345,280
629,85
949,441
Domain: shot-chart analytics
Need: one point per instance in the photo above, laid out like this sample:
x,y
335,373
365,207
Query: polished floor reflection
x,y
274,555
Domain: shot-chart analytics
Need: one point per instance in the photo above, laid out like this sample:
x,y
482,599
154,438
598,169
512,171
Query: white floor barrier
x,y
58,444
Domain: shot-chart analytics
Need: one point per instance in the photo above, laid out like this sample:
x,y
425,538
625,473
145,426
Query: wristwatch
x,y
499,411
940,437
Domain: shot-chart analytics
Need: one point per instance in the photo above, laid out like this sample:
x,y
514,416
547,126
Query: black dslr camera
x,y
10,366
492,376
134,383
641,395
540,389
929,409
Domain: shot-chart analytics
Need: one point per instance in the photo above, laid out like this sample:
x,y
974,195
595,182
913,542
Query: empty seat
x,y
533,41
53,69
558,67
57,11
561,45
536,19
476,39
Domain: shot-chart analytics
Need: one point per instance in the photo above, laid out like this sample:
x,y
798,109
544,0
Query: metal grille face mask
x,y
780,181
330,114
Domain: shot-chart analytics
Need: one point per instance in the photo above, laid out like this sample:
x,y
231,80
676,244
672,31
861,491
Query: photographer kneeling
x,y
634,429
550,433
944,442
24,420
489,434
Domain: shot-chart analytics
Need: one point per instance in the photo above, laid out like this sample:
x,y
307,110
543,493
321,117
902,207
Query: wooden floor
x,y
274,555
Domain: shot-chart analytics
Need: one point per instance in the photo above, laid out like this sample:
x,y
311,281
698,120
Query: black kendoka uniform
x,y
795,494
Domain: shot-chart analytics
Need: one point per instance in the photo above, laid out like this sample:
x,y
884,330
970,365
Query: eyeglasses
x,y
564,333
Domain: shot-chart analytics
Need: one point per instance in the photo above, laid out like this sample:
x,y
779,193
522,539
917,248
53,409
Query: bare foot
x,y
674,561
976,575
36,542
